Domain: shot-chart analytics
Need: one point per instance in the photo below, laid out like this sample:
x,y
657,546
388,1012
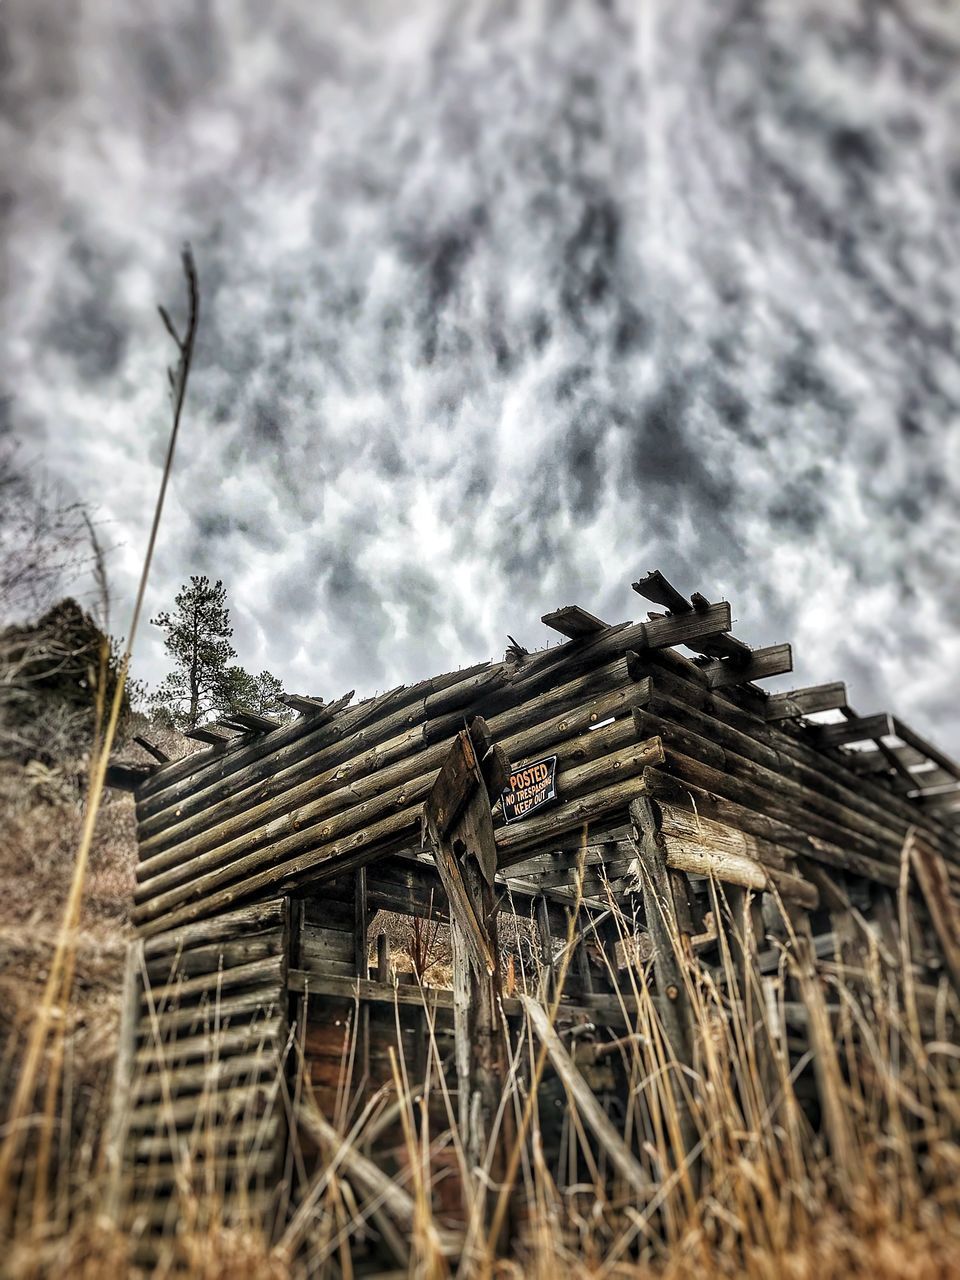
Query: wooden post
x,y
826,1065
931,873
546,946
383,958
119,1121
666,936
362,966
663,926
459,827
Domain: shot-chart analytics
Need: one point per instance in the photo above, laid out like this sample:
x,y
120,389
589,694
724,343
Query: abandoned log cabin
x,y
595,827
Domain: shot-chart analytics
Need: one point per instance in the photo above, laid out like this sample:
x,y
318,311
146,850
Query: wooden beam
x,y
370,1183
804,702
464,847
721,646
254,722
934,882
573,622
585,1102
943,798
604,1010
209,736
150,748
305,706
863,729
660,633
655,587
834,1102
668,961
127,777
925,748
774,660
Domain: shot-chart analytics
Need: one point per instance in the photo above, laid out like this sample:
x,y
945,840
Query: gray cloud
x,y
500,308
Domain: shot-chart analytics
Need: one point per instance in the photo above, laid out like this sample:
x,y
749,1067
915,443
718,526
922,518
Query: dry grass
x,y
761,1196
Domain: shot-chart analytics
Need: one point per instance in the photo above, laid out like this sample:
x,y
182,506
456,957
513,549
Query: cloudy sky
x,y
504,304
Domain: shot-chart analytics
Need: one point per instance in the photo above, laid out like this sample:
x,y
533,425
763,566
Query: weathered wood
x,y
303,705
655,587
252,720
662,786
370,1182
938,800
210,1140
210,959
219,1043
863,729
115,1140
668,959
736,869
247,1068
127,777
210,736
253,973
191,776
836,1112
584,1100
661,919
558,714
383,958
289,861
722,646
931,873
218,1106
465,853
913,739
262,1000
754,789
779,746
150,748
573,622
229,925
774,660
804,702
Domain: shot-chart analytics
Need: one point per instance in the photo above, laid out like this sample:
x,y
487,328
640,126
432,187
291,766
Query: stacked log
x,y
204,1064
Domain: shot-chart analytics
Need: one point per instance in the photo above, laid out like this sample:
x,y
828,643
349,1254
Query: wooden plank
x,y
573,622
722,646
913,739
221,1042
937,799
863,729
256,722
872,760
465,853
661,919
151,748
662,632
128,777
804,702
231,925
210,736
934,882
656,588
584,1100
115,1140
774,660
370,1182
834,1105
303,705
668,961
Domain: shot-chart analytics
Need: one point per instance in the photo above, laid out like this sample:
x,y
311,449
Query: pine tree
x,y
198,641
263,694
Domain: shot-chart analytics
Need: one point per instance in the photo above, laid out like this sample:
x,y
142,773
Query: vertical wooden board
x,y
934,882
